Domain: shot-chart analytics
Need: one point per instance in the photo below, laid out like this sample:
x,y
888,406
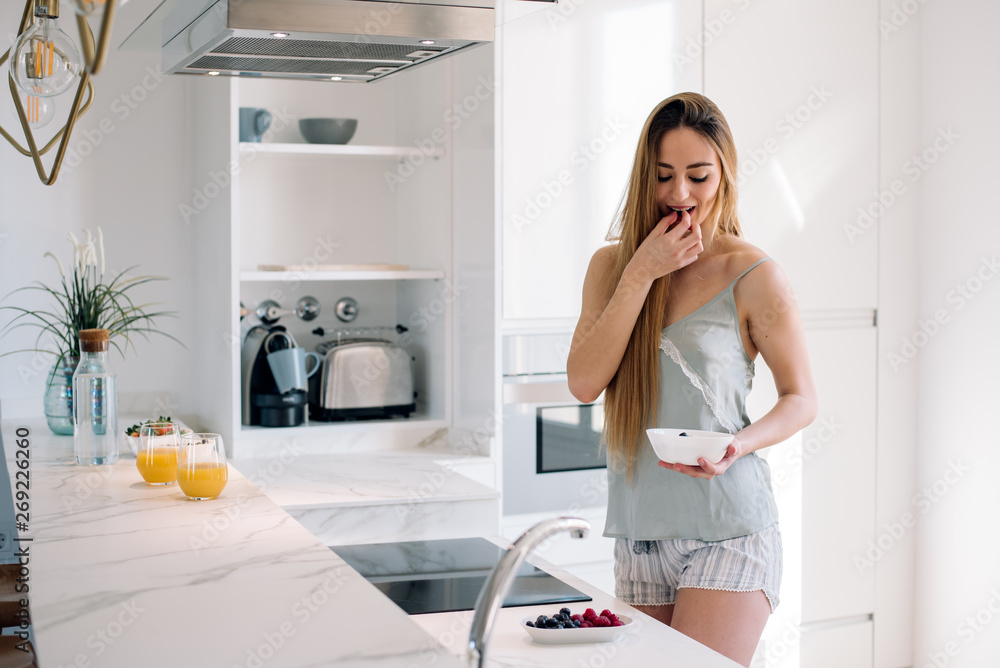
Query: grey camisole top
x,y
705,376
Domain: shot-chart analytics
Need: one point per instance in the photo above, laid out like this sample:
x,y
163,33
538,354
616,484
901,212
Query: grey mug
x,y
288,366
254,123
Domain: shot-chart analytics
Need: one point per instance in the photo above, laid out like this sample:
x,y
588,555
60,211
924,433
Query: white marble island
x,y
375,497
123,575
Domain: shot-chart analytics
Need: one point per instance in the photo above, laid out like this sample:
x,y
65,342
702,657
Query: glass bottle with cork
x,y
95,401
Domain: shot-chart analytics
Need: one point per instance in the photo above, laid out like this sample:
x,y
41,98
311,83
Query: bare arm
x,y
776,331
606,321
610,311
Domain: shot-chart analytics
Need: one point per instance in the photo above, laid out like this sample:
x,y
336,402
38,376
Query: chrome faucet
x,y
495,590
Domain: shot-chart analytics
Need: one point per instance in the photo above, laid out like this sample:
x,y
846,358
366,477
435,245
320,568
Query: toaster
x,y
362,378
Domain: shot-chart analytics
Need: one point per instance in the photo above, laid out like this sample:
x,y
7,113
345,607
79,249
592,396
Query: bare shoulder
x,y
605,256
599,285
766,286
741,255
603,263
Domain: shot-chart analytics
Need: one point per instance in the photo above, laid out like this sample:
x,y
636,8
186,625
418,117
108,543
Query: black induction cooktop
x,y
446,575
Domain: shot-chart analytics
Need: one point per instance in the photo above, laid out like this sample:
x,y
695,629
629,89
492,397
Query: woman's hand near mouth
x,y
674,243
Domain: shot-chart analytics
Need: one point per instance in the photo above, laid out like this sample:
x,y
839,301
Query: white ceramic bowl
x,y
570,636
671,447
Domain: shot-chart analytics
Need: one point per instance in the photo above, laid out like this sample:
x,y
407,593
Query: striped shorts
x,y
649,572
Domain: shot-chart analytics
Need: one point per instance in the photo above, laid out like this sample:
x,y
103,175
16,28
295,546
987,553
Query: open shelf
x,y
364,275
346,427
339,149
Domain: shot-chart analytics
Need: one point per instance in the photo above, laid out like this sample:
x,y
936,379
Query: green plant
x,y
135,429
85,301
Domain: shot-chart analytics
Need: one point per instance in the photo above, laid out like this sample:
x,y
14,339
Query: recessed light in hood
x,y
329,40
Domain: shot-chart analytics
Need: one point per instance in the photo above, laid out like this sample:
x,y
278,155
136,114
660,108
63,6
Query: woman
x,y
673,316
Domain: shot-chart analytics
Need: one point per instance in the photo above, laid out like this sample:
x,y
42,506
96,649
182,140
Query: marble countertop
x,y
380,478
122,574
644,642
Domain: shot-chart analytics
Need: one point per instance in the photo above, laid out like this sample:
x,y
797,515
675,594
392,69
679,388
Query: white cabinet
x,y
798,82
838,646
838,478
824,483
823,646
389,196
577,82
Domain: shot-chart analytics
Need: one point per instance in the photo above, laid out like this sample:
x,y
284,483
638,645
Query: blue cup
x,y
254,123
288,366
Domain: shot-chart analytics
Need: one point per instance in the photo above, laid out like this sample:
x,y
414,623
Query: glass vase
x,y
59,396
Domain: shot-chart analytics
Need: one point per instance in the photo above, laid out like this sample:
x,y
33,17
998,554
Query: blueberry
x,y
576,624
560,626
541,620
530,623
565,611
551,623
683,433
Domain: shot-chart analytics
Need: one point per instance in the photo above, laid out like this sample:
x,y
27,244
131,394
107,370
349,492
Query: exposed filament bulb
x,y
39,110
45,61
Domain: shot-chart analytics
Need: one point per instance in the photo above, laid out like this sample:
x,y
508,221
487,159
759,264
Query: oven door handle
x,y
553,390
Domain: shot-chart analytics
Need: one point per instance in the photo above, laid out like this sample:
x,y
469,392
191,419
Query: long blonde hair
x,y
632,396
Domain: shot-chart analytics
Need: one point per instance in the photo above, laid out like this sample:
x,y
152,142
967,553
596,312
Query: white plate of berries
x,y
567,627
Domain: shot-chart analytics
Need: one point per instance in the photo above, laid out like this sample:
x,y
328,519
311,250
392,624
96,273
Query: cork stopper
x,y
94,340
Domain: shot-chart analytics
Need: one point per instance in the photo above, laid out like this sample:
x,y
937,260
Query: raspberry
x,y
617,622
601,621
607,613
586,625
577,618
588,613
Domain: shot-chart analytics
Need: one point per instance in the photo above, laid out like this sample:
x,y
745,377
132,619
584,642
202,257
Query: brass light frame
x,y
94,57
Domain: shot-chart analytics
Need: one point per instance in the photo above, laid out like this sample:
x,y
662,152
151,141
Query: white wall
x,y
958,545
898,296
130,182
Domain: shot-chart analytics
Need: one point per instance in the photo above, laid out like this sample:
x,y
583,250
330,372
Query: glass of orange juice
x,y
202,471
158,449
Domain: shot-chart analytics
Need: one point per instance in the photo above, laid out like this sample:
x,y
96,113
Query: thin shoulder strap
x,y
748,269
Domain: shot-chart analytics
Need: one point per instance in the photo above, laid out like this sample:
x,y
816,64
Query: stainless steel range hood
x,y
340,40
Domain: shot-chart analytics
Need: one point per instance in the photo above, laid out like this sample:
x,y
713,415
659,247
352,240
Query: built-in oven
x,y
552,461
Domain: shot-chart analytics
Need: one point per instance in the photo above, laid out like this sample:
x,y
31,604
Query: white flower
x,y
100,241
51,255
76,252
89,253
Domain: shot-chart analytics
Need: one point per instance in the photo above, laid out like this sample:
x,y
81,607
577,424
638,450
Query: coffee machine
x,y
262,403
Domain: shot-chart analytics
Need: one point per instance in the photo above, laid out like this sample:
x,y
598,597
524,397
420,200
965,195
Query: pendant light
x,y
39,109
45,62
